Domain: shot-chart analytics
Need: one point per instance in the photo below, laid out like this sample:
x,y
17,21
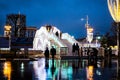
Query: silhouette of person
x,y
53,52
77,49
73,49
46,53
81,51
109,56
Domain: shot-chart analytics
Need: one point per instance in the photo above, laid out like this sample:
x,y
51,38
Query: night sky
x,y
64,14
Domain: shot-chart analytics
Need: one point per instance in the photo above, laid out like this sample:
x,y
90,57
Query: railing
x,y
69,38
57,40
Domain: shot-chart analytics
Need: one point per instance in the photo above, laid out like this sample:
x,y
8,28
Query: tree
x,y
103,41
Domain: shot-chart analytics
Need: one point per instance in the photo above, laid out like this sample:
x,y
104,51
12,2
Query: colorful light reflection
x,y
7,70
90,72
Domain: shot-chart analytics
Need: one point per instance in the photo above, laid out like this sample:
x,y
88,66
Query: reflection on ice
x,y
89,70
7,70
46,69
39,69
58,70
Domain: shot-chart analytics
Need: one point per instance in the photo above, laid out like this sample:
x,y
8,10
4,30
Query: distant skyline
x,y
64,14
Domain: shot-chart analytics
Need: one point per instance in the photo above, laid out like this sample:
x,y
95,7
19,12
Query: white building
x,y
48,36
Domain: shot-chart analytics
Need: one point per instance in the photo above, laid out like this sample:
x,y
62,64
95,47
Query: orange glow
x,y
7,70
7,28
90,30
90,72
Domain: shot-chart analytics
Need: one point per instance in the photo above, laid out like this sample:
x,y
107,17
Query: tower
x,y
89,31
17,23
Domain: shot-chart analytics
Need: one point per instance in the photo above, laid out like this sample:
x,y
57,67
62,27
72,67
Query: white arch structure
x,y
45,37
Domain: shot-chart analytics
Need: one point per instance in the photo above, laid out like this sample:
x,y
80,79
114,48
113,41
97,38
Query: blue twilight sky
x,y
64,14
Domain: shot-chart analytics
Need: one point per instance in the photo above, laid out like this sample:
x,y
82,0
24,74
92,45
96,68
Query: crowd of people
x,y
88,51
92,54
83,51
79,51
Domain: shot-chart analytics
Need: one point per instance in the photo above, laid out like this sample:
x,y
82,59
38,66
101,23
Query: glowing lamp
x,y
114,8
90,30
7,27
7,70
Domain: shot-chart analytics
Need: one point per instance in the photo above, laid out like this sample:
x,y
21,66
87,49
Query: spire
x,y
87,19
19,13
18,20
87,24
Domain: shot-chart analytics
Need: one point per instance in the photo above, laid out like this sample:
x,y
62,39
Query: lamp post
x,y
114,9
8,33
87,24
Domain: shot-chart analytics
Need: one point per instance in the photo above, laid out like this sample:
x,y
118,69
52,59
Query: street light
x,y
114,8
7,30
8,33
87,24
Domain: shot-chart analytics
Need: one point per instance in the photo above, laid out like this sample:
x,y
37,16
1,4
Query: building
x,y
30,31
17,23
48,36
16,34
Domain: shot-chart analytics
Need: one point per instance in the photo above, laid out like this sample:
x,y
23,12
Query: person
x,y
110,56
46,53
88,52
53,52
77,49
73,49
81,51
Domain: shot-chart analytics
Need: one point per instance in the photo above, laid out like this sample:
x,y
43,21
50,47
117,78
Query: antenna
x,y
87,19
87,24
19,13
